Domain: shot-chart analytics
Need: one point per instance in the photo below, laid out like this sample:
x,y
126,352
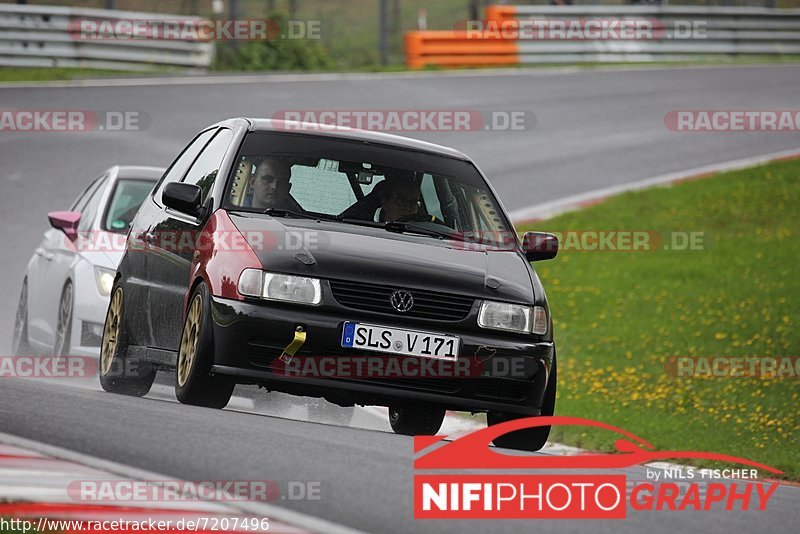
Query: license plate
x,y
399,341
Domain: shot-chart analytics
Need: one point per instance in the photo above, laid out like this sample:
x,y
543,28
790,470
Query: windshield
x,y
360,183
125,201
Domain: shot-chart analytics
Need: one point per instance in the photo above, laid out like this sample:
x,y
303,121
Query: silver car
x,y
68,280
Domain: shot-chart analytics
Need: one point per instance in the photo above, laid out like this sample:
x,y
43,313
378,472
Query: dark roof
x,y
324,130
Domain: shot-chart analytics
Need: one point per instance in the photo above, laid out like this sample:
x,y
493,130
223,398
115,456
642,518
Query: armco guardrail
x,y
512,35
50,36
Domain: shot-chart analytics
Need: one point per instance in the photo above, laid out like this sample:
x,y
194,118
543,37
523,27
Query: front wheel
x,y
415,420
119,374
528,439
193,382
64,322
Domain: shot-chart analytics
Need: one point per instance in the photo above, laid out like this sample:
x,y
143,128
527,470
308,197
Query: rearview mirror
x,y
182,197
539,246
66,221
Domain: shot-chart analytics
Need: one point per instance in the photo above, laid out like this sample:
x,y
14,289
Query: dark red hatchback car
x,y
361,267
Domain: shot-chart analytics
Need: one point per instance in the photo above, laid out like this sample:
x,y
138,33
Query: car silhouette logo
x,y
402,301
472,451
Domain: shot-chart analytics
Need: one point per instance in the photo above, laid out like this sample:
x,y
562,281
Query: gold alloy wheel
x,y
189,340
111,332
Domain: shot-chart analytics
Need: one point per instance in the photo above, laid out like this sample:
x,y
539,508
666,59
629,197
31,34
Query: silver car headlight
x,y
105,280
281,287
512,317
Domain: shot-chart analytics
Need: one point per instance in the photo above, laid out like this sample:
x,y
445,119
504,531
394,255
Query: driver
x,y
402,200
271,184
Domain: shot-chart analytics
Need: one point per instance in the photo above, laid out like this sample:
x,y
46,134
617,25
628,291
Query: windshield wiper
x,y
413,228
280,212
406,227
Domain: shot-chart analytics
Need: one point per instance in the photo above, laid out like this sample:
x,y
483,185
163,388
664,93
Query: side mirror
x,y
539,246
66,221
185,198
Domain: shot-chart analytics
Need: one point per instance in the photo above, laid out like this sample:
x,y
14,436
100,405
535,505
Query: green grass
x,y
618,316
20,74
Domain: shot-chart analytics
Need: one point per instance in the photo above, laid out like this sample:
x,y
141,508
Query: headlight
x,y
104,279
512,317
282,287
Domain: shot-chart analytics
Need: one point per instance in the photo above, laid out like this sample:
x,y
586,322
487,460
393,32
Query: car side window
x,y
204,171
182,163
89,211
83,198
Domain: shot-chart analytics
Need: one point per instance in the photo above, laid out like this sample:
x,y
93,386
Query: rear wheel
x,y
528,439
20,345
193,382
415,420
64,322
118,374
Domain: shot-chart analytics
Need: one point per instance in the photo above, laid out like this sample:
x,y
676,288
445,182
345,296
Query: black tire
x,y
415,420
193,383
529,439
61,347
117,373
20,345
320,409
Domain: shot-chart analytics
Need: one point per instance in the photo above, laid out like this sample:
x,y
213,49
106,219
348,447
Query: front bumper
x,y
502,374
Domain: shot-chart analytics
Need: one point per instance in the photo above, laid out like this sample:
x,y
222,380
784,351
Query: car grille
x,y
502,389
375,298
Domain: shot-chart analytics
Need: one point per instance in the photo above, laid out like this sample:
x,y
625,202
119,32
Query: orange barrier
x,y
450,48
447,48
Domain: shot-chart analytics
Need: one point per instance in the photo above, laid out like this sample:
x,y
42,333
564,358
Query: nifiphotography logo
x,y
588,491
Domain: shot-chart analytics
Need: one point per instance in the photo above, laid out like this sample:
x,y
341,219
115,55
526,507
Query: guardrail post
x,y
383,31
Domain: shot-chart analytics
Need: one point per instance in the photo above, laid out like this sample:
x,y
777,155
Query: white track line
x,y
278,513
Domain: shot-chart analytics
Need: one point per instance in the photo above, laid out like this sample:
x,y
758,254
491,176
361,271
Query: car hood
x,y
373,255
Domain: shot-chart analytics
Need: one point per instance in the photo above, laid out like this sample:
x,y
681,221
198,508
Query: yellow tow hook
x,y
292,348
